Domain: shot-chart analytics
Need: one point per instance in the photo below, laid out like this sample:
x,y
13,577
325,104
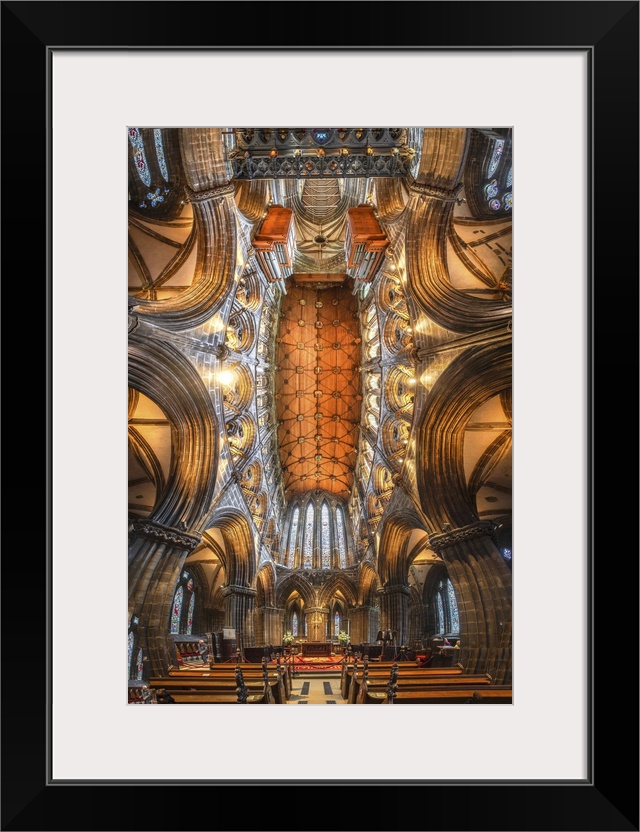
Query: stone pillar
x,y
364,624
394,611
156,556
272,625
482,583
318,619
238,612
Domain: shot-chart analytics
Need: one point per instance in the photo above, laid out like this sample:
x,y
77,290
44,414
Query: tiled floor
x,y
316,691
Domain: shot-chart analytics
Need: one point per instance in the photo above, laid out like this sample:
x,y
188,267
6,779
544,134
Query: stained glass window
x,y
307,547
162,162
325,537
495,157
441,624
336,623
342,538
177,610
453,609
192,604
293,533
491,189
139,157
294,624
130,653
139,665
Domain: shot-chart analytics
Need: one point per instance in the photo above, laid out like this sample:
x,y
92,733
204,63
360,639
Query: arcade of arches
x,y
316,446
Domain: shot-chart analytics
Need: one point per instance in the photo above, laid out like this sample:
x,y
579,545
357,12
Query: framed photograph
x,y
563,78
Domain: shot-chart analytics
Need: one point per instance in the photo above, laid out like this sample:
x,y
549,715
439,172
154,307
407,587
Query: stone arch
x,y
241,331
266,586
471,379
337,583
397,333
298,583
165,376
368,585
252,478
211,198
238,393
395,539
239,557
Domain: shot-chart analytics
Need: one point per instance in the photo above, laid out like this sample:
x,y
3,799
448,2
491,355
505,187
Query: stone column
x,y
156,556
394,610
272,625
364,621
482,583
238,611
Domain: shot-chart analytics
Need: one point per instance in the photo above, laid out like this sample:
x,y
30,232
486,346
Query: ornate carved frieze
x,y
451,537
226,189
392,589
165,534
445,194
236,589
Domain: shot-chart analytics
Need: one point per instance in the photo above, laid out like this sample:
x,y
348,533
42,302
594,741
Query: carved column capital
x,y
236,589
452,537
445,194
165,534
392,589
217,192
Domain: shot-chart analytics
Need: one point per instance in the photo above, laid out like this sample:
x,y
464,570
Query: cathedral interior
x,y
319,394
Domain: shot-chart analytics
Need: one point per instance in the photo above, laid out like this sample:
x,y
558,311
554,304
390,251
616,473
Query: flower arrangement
x,y
343,638
288,638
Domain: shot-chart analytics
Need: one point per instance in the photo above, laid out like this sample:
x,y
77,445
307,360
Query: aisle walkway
x,y
323,690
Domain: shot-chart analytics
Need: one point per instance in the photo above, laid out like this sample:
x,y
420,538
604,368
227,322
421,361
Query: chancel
x,y
319,415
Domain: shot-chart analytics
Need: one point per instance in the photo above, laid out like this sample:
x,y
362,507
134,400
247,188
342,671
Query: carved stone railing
x,y
304,166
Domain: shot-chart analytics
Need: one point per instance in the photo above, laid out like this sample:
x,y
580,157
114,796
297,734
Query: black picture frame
x,y
608,800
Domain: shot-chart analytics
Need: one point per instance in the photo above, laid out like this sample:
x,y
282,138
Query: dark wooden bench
x,y
227,672
383,671
492,695
403,690
225,681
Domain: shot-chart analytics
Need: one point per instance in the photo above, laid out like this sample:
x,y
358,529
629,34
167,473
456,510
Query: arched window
x,y
342,538
325,537
495,157
162,162
131,637
139,156
293,533
177,610
336,623
307,547
294,624
441,622
192,604
454,618
139,665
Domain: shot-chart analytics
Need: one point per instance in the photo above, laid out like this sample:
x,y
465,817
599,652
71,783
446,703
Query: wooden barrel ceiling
x,y
318,387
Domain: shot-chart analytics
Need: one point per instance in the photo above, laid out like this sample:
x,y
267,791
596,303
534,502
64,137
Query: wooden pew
x,y
385,667
493,694
463,688
225,682
227,670
351,680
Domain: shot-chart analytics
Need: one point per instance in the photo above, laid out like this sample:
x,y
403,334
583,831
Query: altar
x,y
316,648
